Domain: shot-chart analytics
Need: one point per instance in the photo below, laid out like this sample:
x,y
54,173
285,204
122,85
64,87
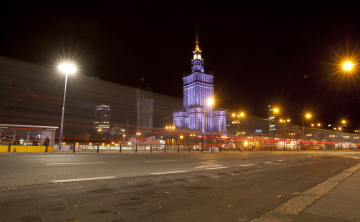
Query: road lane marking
x,y
280,160
156,161
209,158
82,179
207,166
49,164
245,165
215,168
268,162
170,172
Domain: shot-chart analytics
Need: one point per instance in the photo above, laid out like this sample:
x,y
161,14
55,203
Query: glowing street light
x,y
307,116
209,103
67,68
237,121
348,66
274,111
100,131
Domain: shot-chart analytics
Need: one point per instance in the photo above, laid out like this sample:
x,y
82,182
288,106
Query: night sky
x,y
260,53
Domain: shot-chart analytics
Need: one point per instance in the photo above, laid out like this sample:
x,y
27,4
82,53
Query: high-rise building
x,y
102,118
198,90
145,106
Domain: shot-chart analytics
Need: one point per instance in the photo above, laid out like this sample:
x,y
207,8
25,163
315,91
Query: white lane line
x,y
207,166
215,168
356,157
280,160
268,162
245,165
82,179
209,158
49,164
156,161
170,172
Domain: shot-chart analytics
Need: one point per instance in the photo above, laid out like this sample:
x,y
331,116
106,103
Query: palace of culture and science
x,y
198,90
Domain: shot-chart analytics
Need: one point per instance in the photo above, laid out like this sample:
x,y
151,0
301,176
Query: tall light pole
x,y
274,111
67,68
284,121
307,116
238,122
209,102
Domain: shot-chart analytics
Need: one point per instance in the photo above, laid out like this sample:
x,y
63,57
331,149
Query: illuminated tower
x,y
102,118
198,89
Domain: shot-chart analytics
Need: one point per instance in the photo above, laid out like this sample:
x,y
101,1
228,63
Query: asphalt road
x,y
238,186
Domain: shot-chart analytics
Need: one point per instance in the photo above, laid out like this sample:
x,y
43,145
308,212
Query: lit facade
x,y
198,90
102,118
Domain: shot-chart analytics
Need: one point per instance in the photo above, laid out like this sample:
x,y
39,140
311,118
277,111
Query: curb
x,y
289,210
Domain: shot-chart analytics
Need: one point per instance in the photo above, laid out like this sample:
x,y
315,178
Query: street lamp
x,y
275,111
209,102
348,66
307,116
284,121
67,68
237,121
343,122
100,131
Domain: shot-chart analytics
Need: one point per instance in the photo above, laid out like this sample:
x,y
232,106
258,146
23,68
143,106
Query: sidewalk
x,y
340,204
336,199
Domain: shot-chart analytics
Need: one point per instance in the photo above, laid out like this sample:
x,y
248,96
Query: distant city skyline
x,y
260,52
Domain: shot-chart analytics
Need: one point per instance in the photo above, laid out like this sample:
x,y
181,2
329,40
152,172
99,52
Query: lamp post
x,y
343,122
237,121
307,116
210,102
285,121
274,111
67,68
100,131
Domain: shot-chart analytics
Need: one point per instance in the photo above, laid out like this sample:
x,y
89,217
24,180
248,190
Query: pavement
x,y
336,199
342,203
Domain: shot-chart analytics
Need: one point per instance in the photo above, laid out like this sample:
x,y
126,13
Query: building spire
x,y
197,41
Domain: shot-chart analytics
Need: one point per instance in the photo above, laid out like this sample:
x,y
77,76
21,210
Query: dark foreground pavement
x,y
240,193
